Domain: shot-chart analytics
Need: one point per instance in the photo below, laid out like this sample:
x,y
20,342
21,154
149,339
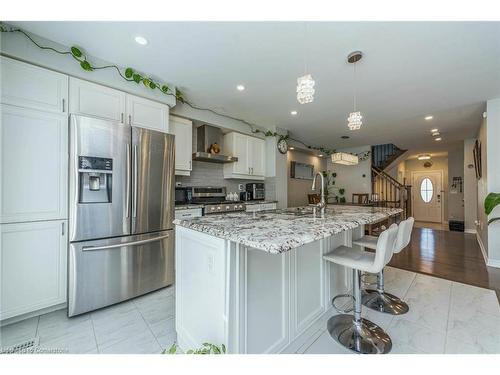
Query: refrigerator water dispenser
x,y
95,177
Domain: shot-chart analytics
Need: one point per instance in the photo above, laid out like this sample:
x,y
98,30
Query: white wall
x,y
455,196
353,178
482,191
299,189
493,180
470,187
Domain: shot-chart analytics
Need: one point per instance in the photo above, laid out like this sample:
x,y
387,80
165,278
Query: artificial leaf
x,y
86,65
173,349
146,82
152,85
75,51
137,78
129,72
492,200
164,89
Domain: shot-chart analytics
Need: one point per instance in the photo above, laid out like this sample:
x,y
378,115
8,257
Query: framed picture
x,y
477,159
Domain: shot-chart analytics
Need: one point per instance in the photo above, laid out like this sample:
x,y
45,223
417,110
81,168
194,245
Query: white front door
x,y
427,196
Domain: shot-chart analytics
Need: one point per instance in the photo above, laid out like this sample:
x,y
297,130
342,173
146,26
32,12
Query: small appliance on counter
x,y
245,196
256,191
183,195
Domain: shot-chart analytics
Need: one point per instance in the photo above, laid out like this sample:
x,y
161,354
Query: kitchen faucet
x,y
322,204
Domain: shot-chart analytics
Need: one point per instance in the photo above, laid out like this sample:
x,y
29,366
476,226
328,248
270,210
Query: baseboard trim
x,y
32,314
493,263
483,249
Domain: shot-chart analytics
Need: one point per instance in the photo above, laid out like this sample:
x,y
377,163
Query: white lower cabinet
x,y
33,266
256,302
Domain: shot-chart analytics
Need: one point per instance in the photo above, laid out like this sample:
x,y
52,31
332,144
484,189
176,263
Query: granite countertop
x,y
278,231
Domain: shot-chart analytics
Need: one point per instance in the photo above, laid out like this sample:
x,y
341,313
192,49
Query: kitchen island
x,y
257,282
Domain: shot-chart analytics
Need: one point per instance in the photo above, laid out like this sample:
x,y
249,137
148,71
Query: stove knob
x,y
228,208
212,208
219,208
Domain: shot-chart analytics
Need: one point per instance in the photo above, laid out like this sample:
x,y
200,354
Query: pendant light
x,y
305,84
354,120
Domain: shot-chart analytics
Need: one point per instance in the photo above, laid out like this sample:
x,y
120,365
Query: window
x,y
426,190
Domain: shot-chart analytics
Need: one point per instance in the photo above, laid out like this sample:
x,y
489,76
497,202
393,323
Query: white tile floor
x,y
444,317
143,325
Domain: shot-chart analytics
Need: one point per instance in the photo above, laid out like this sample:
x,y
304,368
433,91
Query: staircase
x,y
384,155
388,192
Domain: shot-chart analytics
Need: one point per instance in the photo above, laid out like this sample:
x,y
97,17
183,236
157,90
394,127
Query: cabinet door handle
x,y
130,119
122,117
190,166
62,229
64,105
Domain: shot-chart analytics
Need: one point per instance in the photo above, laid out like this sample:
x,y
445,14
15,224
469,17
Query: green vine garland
x,y
131,75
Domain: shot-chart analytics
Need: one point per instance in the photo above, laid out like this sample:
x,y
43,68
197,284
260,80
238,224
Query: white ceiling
x,y
409,70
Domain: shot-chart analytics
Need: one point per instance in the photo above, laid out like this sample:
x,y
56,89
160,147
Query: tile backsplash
x,y
210,174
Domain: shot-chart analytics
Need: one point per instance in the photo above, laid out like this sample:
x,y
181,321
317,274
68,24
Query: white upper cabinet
x,y
147,114
32,267
251,156
183,131
257,159
34,165
87,98
30,86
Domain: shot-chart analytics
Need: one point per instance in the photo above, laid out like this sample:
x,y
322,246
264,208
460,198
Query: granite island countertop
x,y
277,231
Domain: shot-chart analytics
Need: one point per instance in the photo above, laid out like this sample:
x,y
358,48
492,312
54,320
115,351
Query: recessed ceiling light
x,y
291,148
240,87
434,130
141,40
320,155
437,139
435,134
429,117
293,113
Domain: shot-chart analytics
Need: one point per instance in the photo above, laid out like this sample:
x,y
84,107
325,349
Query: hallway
x,y
454,256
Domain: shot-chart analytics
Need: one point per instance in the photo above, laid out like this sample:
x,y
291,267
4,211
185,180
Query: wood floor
x,y
453,256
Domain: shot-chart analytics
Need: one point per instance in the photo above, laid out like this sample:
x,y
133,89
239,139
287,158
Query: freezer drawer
x,y
104,272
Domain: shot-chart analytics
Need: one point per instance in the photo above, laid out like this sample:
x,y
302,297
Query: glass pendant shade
x,y
354,121
345,158
305,89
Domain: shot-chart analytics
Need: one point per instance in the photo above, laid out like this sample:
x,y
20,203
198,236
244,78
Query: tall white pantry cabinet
x,y
33,188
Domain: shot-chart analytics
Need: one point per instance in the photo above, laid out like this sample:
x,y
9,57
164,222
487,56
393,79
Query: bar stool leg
x,y
382,301
356,333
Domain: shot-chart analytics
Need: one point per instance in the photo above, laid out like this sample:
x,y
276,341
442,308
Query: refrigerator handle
x,y
127,194
131,243
134,197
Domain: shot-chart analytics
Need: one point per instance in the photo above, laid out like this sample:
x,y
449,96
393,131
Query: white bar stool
x,y
379,299
351,331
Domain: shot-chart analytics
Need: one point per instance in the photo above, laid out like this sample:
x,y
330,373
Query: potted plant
x,y
491,201
206,348
341,193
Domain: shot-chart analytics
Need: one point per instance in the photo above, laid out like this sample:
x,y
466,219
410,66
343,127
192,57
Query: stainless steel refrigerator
x,y
121,212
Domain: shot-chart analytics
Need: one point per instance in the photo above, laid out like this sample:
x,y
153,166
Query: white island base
x,y
250,300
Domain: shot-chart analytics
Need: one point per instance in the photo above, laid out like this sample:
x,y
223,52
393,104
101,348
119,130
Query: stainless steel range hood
x,y
206,136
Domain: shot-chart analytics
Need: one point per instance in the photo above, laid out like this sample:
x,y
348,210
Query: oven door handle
x,y
131,243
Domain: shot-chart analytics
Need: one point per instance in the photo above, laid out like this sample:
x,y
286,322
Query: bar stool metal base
x,y
365,338
384,302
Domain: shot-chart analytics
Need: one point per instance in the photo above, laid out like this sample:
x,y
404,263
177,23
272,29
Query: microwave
x,y
256,191
183,195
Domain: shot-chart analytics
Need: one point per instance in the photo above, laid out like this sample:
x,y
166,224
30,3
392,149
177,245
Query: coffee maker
x,y
256,191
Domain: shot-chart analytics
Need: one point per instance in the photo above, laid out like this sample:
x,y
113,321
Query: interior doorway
x,y
427,196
